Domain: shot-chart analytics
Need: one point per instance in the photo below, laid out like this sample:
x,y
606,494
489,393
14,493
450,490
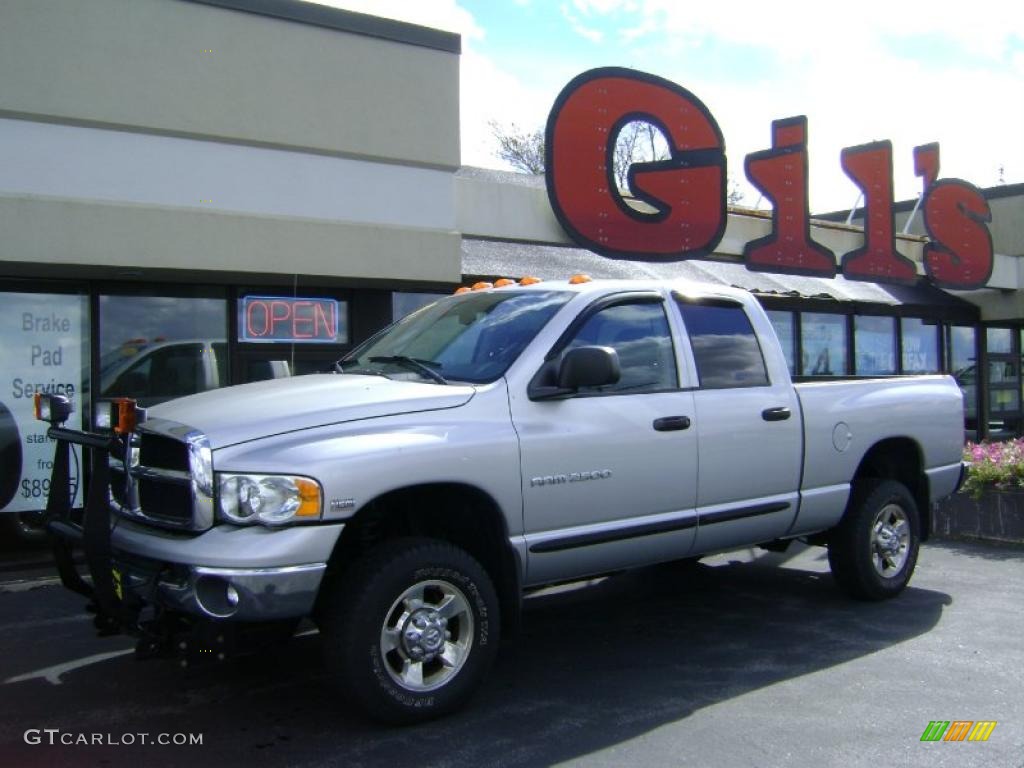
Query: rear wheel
x,y
412,630
873,551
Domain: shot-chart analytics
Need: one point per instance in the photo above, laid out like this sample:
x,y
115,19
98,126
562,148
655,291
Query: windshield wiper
x,y
420,366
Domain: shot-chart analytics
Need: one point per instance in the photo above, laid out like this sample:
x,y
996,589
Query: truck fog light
x,y
216,596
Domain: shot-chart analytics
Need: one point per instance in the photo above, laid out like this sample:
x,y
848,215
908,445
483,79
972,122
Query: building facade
x,y
196,193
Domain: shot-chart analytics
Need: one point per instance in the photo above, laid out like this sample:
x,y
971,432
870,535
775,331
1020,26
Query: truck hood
x,y
250,411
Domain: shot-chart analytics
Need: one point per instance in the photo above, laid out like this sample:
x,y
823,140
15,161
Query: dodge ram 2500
x,y
495,441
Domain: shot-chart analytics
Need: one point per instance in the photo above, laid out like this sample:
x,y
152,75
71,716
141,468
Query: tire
x,y
873,550
411,630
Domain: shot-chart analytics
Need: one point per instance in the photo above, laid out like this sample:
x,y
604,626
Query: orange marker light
x,y
577,279
530,281
126,420
481,286
461,289
309,496
503,282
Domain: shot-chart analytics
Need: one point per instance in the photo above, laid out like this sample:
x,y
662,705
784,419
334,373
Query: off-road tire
x,y
360,613
879,512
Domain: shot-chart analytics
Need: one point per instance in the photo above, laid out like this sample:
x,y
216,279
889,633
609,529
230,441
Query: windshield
x,y
473,337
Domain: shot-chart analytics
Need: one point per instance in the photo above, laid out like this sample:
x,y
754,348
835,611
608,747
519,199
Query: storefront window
x,y
154,348
999,341
782,322
1003,383
875,345
920,345
44,343
963,365
824,344
405,303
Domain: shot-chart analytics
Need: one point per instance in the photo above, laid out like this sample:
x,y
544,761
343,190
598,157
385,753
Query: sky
x,y
908,71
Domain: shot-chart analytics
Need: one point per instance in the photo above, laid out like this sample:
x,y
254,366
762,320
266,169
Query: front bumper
x,y
241,574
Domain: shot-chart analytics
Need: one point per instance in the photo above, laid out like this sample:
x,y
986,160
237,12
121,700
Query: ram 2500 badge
x,y
492,442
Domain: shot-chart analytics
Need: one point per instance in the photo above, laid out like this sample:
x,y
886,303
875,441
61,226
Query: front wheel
x,y
412,630
873,551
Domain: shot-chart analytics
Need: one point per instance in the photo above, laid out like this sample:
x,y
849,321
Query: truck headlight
x,y
267,499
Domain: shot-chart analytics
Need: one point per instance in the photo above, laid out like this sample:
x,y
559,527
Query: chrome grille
x,y
167,481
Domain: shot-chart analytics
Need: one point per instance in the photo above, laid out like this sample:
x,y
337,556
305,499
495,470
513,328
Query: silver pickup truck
x,y
493,442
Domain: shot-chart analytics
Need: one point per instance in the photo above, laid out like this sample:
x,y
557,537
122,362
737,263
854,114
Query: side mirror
x,y
588,367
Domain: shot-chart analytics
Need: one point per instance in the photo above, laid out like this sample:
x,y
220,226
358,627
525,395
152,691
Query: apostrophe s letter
x,y
780,173
686,193
956,216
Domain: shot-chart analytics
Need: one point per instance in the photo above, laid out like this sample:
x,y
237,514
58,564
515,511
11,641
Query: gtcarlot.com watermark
x,y
55,736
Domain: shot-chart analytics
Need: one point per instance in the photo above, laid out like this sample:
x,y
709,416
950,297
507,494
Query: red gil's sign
x,y
287,319
687,192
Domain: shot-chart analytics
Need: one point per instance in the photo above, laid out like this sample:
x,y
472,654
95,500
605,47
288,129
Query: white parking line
x,y
23,585
52,674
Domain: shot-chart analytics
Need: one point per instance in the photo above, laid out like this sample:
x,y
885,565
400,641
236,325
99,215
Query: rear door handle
x,y
672,423
776,414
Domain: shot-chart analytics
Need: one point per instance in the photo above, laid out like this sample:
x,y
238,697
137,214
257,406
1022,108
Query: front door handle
x,y
672,423
776,414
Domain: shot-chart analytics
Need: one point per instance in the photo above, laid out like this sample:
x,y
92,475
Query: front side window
x,y
474,337
640,335
725,346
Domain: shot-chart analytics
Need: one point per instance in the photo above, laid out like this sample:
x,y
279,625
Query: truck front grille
x,y
161,486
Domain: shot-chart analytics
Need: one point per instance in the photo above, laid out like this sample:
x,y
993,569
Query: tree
x,y
735,195
522,150
638,142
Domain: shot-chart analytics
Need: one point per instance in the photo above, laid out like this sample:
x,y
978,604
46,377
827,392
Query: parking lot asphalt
x,y
749,659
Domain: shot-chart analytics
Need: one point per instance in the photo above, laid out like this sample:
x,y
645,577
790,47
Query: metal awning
x,y
502,258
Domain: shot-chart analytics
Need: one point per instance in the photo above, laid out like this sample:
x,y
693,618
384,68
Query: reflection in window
x,y
154,348
782,322
920,346
640,335
824,344
405,303
474,337
999,341
963,365
875,344
724,345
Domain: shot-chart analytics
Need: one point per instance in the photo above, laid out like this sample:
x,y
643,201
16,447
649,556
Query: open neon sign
x,y
687,193
288,319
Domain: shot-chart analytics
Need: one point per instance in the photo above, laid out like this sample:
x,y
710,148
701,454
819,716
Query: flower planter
x,y
997,515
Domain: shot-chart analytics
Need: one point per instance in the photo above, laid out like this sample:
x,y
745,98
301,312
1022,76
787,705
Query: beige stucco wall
x,y
129,78
190,69
40,234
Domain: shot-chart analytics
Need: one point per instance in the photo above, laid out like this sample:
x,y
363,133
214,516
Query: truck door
x,y
609,474
748,428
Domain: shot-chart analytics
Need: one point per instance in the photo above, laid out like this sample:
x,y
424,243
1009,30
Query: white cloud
x,y
912,72
577,25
